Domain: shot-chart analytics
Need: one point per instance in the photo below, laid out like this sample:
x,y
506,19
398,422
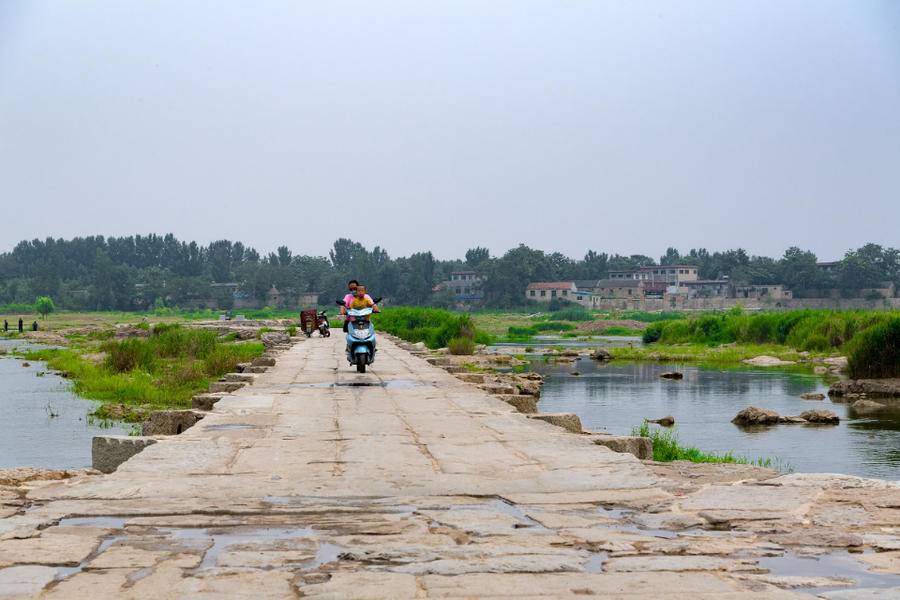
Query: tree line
x,y
150,271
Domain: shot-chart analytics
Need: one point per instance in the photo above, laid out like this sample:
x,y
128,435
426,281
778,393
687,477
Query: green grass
x,y
812,330
667,448
160,371
433,326
705,354
618,330
875,352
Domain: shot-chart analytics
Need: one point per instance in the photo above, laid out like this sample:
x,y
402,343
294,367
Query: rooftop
x,y
608,283
551,285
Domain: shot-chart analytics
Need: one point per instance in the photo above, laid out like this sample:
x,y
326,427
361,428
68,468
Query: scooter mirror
x,y
377,300
339,302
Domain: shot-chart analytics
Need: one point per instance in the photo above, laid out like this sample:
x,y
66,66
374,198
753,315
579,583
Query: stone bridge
x,y
405,482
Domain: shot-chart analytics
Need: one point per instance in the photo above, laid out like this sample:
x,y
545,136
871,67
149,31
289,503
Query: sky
x,y
566,125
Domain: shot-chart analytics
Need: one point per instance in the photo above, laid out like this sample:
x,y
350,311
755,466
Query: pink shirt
x,y
349,298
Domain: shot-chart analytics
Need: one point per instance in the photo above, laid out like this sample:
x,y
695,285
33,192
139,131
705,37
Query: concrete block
x,y
263,361
522,403
242,367
171,422
568,421
257,370
641,447
242,377
225,387
110,451
471,377
205,401
498,388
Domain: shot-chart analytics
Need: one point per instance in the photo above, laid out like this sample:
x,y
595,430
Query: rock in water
x,y
756,416
767,361
672,375
867,407
601,355
666,421
825,417
812,396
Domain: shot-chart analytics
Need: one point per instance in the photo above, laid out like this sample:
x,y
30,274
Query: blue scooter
x,y
360,338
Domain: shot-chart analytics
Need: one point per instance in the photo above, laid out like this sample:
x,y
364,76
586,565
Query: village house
x,y
706,288
464,286
545,291
763,292
620,289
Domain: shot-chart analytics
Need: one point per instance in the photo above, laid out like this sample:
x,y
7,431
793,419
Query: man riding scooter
x,y
360,332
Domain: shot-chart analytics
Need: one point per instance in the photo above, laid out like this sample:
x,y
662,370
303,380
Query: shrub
x,y
44,305
652,333
433,326
875,353
816,342
128,355
461,346
292,330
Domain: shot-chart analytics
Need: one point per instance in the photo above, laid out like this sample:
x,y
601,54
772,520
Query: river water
x,y
614,397
29,436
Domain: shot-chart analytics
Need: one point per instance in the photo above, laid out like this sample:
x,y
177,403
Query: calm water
x,y
29,437
614,397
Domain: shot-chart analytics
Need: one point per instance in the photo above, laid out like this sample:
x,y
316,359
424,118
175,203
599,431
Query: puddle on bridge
x,y
101,522
229,426
225,537
839,565
390,384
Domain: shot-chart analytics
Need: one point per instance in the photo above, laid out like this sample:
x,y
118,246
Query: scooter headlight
x,y
361,333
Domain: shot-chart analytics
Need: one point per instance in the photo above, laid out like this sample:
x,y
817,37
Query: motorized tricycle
x,y
311,320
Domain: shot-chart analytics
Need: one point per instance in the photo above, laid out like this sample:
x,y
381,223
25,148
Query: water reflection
x,y
29,435
614,397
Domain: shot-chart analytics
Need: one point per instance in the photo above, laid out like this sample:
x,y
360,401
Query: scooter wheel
x,y
360,363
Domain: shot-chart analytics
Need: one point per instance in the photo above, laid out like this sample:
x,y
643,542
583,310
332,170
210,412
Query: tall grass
x,y
815,330
875,352
667,447
160,371
433,326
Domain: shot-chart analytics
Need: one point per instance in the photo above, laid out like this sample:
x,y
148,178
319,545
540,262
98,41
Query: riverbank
x,y
138,368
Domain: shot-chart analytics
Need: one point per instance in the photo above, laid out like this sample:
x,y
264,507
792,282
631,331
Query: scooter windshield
x,y
359,312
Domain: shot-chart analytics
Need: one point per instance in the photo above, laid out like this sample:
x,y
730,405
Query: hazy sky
x,y
619,126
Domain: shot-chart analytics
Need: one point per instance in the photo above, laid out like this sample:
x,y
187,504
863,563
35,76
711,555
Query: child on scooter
x,y
361,300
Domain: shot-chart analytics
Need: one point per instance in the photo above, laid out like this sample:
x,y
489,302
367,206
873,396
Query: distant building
x,y
465,286
829,267
620,289
707,288
762,292
672,274
545,291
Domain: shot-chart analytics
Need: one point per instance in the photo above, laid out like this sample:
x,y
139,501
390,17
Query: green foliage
x,y
461,346
819,330
19,308
433,326
573,313
292,330
43,305
650,317
162,370
875,353
537,328
666,448
652,333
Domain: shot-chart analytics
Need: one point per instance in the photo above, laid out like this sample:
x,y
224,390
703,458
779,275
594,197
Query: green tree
x,y
44,305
